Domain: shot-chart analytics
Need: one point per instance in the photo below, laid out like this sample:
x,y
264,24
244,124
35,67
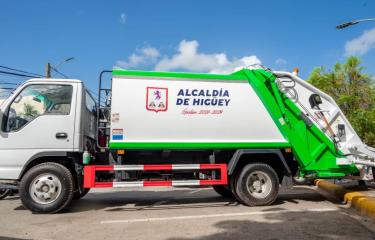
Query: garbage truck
x,y
245,134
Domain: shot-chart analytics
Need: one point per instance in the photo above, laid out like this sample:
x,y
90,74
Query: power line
x,y
91,91
13,69
17,74
8,86
96,96
9,79
54,69
8,83
12,77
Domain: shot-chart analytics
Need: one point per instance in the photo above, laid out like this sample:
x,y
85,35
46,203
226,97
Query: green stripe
x,y
196,145
236,76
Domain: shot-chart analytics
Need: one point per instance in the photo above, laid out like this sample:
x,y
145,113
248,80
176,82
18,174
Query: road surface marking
x,y
152,205
216,215
197,190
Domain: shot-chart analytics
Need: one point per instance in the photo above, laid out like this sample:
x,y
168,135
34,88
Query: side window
x,y
37,100
90,103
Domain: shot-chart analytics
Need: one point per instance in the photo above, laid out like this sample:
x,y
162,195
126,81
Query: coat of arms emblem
x,y
157,99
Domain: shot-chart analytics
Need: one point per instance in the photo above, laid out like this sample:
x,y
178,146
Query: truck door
x,y
39,119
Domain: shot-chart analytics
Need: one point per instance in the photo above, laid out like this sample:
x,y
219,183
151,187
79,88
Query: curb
x,y
362,203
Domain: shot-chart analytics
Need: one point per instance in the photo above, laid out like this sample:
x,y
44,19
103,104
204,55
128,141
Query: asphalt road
x,y
159,213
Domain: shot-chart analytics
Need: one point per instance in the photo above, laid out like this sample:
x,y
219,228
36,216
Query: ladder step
x,y
105,122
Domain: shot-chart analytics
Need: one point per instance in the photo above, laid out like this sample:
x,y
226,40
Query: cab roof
x,y
57,80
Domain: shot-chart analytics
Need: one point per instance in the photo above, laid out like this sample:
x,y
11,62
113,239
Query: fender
x,y
42,154
237,155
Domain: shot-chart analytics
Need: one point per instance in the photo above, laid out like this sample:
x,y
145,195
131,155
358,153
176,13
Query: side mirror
x,y
315,100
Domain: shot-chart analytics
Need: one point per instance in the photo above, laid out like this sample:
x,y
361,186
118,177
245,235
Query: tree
x,y
30,111
354,92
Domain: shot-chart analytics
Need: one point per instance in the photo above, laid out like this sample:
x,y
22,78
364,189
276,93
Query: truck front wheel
x,y
257,185
46,188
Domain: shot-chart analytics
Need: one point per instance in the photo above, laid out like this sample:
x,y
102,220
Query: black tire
x,y
232,182
362,183
61,174
78,195
223,191
262,195
4,193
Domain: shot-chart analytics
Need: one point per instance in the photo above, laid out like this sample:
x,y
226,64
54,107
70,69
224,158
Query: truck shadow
x,y
288,225
10,198
179,199
11,238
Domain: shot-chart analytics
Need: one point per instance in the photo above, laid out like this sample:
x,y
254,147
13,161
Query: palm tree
x,y
30,110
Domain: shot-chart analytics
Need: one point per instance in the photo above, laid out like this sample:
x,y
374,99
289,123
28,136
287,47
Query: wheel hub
x,y
45,188
259,184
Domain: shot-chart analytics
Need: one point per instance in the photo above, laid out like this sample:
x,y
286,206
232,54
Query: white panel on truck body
x,y
153,109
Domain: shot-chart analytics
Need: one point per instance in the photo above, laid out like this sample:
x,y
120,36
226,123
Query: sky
x,y
194,36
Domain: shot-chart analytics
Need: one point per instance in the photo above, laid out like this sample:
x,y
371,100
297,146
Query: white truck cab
x,y
40,120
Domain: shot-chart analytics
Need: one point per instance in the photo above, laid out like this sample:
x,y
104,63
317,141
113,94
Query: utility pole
x,y
48,70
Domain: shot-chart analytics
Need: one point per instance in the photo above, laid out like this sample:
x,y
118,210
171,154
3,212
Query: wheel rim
x,y
259,184
45,188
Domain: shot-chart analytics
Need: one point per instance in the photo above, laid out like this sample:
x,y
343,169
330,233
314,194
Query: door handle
x,y
61,135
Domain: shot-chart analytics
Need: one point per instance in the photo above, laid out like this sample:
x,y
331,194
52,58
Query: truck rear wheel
x,y
223,191
46,188
232,182
257,185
